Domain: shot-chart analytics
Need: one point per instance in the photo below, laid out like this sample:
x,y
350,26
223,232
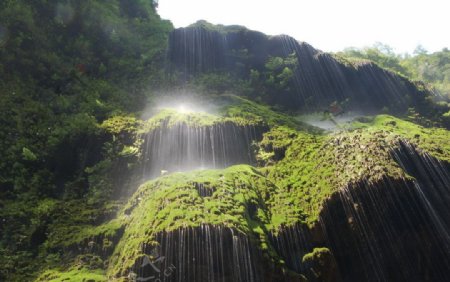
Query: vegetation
x,y
75,78
76,275
291,189
66,67
173,202
433,69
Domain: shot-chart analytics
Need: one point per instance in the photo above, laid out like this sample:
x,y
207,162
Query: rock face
x,y
367,204
387,232
318,78
181,147
384,220
390,230
206,253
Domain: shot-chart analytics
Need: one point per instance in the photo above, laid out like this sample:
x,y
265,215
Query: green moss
x,y
316,166
75,275
434,141
87,267
173,202
76,221
302,171
171,117
274,144
316,254
290,190
238,107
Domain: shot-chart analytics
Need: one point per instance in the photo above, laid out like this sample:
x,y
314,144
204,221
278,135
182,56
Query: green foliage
x,y
36,231
65,68
218,28
118,125
28,155
280,72
71,71
381,55
431,68
74,74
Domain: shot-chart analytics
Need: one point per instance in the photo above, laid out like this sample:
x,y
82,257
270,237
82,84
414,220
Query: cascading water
x,y
292,243
205,253
181,147
432,181
319,79
389,231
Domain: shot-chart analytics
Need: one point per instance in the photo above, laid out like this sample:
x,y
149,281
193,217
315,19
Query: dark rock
x,y
319,79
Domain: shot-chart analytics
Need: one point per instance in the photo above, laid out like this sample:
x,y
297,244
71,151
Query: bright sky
x,y
329,25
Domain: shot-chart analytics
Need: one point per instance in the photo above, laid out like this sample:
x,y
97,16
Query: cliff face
x,y
355,205
363,215
92,191
313,78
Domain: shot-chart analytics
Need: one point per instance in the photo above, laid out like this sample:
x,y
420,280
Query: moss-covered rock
x,y
76,275
303,172
237,201
298,183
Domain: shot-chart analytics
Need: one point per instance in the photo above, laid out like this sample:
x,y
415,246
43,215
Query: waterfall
x,y
432,181
387,231
204,253
292,243
181,147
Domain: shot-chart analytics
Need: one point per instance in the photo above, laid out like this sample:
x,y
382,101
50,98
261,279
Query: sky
x,y
328,25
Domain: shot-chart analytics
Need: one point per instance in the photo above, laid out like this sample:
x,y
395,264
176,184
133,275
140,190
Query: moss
x,y
238,107
434,141
228,113
321,265
274,144
75,275
78,222
170,117
173,202
316,254
291,188
352,62
316,166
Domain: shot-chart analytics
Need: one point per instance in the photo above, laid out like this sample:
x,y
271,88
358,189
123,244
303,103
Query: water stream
x,y
183,148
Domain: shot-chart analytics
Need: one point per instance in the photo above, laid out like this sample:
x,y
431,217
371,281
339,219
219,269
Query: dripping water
x,y
181,147
204,253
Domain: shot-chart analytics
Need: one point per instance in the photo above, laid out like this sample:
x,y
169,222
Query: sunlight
x,y
184,109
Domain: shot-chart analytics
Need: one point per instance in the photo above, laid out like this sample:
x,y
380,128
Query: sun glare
x,y
184,109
